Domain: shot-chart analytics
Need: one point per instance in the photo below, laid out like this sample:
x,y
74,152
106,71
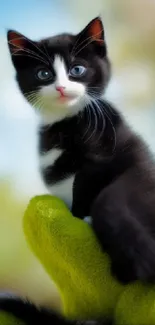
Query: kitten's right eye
x,y
44,74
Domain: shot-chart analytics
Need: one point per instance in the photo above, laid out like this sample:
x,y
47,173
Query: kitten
x,y
89,157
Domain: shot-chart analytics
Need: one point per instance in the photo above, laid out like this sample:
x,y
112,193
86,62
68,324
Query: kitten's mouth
x,y
65,98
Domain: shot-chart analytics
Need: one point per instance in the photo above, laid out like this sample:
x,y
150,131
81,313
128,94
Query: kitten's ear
x,y
16,42
22,49
94,30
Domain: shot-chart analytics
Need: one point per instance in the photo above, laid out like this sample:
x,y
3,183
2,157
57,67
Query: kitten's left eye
x,y
44,74
77,71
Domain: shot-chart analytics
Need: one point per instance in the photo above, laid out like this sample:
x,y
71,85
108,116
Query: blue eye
x,y
44,74
77,71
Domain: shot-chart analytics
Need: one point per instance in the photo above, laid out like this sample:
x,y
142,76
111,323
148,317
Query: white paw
x,y
88,219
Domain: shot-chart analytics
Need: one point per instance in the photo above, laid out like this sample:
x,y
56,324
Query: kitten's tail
x,y
30,314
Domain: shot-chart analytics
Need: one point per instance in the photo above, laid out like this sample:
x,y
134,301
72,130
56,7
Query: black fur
x,y
114,183
30,314
114,171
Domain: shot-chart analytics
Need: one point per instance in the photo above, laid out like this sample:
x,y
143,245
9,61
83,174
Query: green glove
x,y
71,254
69,251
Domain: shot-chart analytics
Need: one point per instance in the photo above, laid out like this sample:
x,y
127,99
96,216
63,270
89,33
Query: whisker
x,y
100,112
30,95
30,56
47,54
97,87
75,45
30,51
93,93
37,47
33,98
83,47
109,119
37,104
113,128
110,109
96,122
32,43
30,92
77,41
26,50
89,121
84,41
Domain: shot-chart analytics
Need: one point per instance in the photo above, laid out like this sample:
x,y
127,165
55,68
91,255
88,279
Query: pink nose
x,y
61,90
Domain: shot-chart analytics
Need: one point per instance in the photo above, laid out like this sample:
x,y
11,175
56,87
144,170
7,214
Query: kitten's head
x,y
61,74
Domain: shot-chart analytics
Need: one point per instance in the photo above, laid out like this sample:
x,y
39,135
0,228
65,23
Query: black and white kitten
x,y
89,157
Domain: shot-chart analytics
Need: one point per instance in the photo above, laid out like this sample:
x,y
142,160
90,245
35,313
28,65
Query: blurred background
x,y
130,34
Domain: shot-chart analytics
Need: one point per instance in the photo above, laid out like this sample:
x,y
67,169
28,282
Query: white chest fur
x,y
64,188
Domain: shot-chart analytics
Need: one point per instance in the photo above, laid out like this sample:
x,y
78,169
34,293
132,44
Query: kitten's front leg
x,y
82,195
86,188
128,243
